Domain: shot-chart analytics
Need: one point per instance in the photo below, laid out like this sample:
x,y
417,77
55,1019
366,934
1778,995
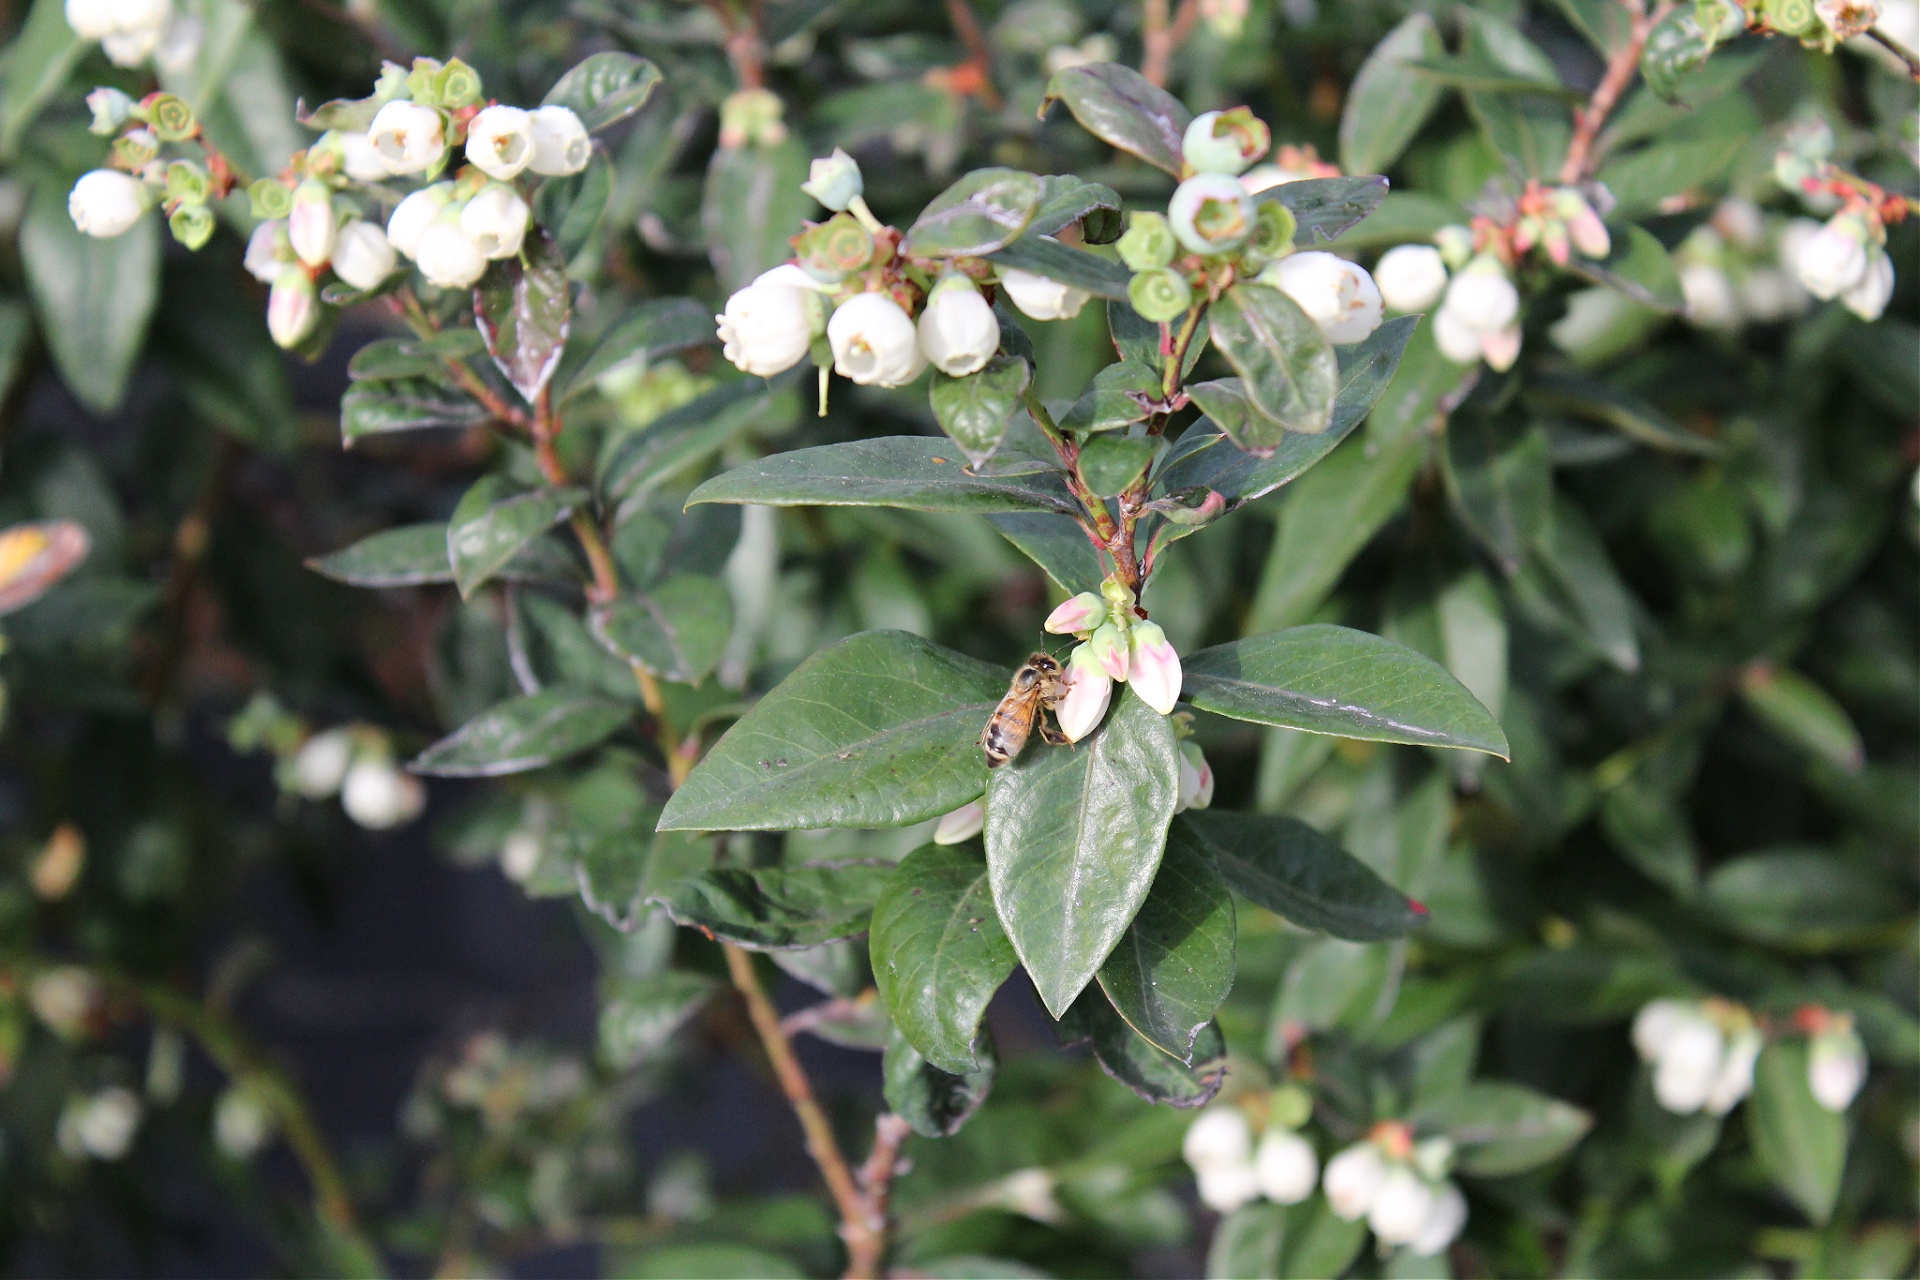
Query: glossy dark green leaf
x,y
604,88
974,410
1804,714
1327,679
1500,478
1074,836
657,327
933,1102
1293,870
1814,899
880,730
939,952
774,907
1676,48
1323,208
377,407
1652,833
43,54
1589,587
1528,129
1174,965
985,210
639,1015
1638,266
920,473
93,297
1123,109
1129,1058
388,358
1800,1144
1111,462
1113,400
493,524
752,208
412,555
1045,256
1285,362
833,968
1387,105
524,307
1066,199
1501,1128
677,630
523,733
1058,544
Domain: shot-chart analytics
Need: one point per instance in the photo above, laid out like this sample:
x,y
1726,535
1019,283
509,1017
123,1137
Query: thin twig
x,y
889,1132
1907,56
191,538
979,56
1160,37
1578,165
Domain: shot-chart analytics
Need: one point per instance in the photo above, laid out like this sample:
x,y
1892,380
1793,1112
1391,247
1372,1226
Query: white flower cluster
x,y
355,763
1400,1188
1702,1053
99,1125
131,31
1231,1170
1339,296
1735,269
1846,258
1479,307
1116,644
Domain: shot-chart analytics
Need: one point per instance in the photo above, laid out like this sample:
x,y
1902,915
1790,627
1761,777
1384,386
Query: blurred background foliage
x,y
1676,558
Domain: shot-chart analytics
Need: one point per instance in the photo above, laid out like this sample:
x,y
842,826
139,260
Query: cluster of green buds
x,y
108,201
1817,24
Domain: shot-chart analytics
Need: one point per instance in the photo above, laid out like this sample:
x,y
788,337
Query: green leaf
x,y
1627,413
1305,1241
93,297
657,327
777,907
920,473
1643,181
410,556
1328,679
574,206
1500,1128
523,733
388,358
1323,208
412,404
677,630
1198,459
1123,109
1174,965
1638,266
1129,1058
1500,478
1112,401
639,1015
710,1261
1675,48
752,209
1651,832
1387,106
1074,836
1109,463
493,524
1291,869
524,307
1576,562
933,1102
1285,363
939,952
880,730
985,210
974,410
1804,714
1800,1144
1057,544
1066,199
1044,256
38,63
604,88
1527,129
1810,899
1246,1244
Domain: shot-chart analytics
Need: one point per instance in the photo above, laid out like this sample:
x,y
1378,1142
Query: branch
x,y
1578,165
1161,38
1907,56
979,57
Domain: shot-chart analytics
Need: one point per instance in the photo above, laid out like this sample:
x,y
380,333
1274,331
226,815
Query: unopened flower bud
x,y
1110,649
560,143
1836,1066
874,342
1411,277
958,330
378,796
1481,297
408,137
500,141
1225,141
768,326
268,252
962,824
1219,1136
1834,259
101,1126
1196,778
1734,1080
1211,213
310,226
57,868
1148,242
447,255
1584,227
1501,348
1337,295
1154,668
241,1122
1079,613
1285,1166
408,225
1224,1188
1160,294
1041,298
320,766
1868,298
106,203
110,109
496,221
1352,1180
834,180
1687,1062
360,159
1711,301
1402,1206
1444,1223
293,308
1088,690
362,257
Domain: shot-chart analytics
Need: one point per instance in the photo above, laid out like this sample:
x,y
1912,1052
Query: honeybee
x,y
1036,689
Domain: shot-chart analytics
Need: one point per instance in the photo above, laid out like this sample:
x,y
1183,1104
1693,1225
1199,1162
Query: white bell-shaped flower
x,y
1352,1180
768,326
958,331
1337,295
362,255
408,137
407,226
1041,298
1411,277
1444,1224
1285,1166
560,142
1402,1206
874,342
500,141
106,203
496,220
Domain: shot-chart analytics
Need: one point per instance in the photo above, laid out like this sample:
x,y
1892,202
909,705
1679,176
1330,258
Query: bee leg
x,y
1052,736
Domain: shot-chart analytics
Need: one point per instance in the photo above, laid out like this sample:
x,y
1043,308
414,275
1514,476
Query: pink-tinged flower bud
x,y
962,824
1111,650
1836,1067
1337,295
1219,1136
1079,613
408,225
1402,1206
958,331
1088,691
1835,258
500,141
106,203
1501,348
1285,1166
1869,298
310,227
560,143
496,220
408,137
1443,1224
1041,298
268,252
1155,668
361,255
1196,781
1352,1180
1734,1080
874,342
1411,277
1589,233
293,308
